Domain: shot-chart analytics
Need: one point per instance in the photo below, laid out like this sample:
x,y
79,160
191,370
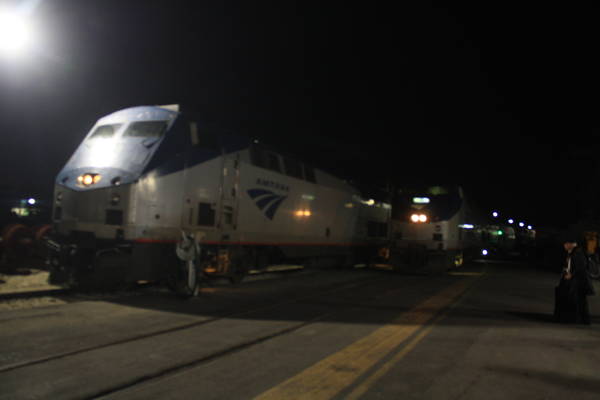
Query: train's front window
x,y
146,129
105,131
437,190
437,202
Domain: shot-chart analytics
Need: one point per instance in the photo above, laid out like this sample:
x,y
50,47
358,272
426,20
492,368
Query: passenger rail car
x,y
153,193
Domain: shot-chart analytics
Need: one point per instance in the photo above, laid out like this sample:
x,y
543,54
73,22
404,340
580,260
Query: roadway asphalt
x,y
483,332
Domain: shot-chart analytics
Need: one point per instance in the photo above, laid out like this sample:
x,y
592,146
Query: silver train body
x,y
149,183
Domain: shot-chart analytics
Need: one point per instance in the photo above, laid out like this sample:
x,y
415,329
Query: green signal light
x,y
500,233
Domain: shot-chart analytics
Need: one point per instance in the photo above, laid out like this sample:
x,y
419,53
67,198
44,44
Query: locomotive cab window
x,y
273,162
105,131
309,174
257,157
146,129
292,168
265,159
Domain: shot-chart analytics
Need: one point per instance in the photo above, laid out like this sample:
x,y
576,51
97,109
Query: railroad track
x,y
30,294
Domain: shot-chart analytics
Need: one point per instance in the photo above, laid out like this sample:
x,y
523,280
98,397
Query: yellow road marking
x,y
328,377
385,368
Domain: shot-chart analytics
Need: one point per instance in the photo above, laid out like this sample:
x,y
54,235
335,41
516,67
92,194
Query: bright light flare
x,y
15,33
88,179
418,218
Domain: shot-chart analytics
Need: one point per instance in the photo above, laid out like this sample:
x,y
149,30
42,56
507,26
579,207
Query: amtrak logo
x,y
267,201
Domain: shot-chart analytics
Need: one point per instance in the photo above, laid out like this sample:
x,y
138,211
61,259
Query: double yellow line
x,y
338,372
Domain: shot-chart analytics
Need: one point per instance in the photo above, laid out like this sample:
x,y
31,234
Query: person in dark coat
x,y
571,303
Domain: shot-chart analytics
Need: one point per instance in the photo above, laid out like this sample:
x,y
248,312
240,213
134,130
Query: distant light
x,y
370,202
500,232
31,201
421,200
529,227
521,224
484,252
466,226
495,214
510,221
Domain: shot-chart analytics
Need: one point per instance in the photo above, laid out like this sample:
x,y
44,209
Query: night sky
x,y
496,97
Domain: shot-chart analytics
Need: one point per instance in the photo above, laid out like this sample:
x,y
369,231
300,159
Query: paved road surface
x,y
482,333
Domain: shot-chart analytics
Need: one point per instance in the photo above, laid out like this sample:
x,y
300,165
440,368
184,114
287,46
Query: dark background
x,y
496,97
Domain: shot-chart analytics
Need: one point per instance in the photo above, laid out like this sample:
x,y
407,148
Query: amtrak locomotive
x,y
429,220
438,223
153,193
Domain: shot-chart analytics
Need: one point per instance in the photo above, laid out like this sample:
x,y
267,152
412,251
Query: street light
x,y
15,33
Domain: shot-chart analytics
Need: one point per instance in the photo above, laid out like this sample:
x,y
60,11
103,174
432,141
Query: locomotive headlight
x,y
89,179
418,218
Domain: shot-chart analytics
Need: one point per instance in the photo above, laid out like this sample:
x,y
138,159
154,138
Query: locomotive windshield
x,y
120,145
105,131
146,129
438,202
